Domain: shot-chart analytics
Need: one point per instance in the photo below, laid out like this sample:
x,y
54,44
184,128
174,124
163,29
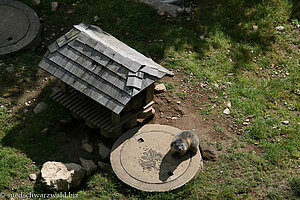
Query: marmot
x,y
183,142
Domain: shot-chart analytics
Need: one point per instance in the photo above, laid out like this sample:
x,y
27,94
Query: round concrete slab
x,y
142,159
19,26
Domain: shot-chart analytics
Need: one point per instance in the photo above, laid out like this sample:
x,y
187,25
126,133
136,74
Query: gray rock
x,y
160,88
61,177
285,122
228,104
40,107
32,177
159,5
207,152
10,69
105,167
36,2
88,165
226,111
104,151
86,146
54,6
279,28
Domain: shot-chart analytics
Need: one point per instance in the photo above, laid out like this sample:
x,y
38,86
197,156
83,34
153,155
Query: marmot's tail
x,y
177,2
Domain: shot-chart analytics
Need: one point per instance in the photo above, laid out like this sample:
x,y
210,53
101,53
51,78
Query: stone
x,y
86,146
54,6
104,151
207,151
201,37
160,88
45,130
226,111
255,27
228,104
285,122
32,177
62,177
10,69
161,12
105,167
88,165
36,2
188,10
96,18
279,28
40,107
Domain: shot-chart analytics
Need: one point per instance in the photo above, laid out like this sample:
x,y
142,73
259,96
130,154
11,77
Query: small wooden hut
x,y
105,82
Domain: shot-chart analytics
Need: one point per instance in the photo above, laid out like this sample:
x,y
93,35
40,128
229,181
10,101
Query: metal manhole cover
x,y
142,159
19,25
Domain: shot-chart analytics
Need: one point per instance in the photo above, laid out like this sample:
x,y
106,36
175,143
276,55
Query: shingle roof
x,y
100,66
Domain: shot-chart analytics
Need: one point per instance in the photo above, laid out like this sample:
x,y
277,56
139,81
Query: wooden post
x,y
149,94
64,87
115,118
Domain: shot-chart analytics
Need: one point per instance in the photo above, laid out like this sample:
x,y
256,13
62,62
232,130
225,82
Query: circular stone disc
x,y
19,25
142,159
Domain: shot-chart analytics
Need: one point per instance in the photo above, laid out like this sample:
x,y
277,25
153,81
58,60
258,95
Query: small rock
x,y
27,104
175,118
32,177
188,10
207,152
178,102
161,12
54,6
86,146
105,167
245,123
104,151
216,85
96,18
226,111
279,28
202,37
285,122
10,69
247,120
40,107
62,177
36,2
255,27
88,165
160,88
228,104
66,120
45,130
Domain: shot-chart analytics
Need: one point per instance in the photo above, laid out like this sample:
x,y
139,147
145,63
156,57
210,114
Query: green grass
x,y
259,70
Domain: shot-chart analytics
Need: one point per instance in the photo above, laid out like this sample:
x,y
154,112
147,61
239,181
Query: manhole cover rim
x,y
194,169
32,32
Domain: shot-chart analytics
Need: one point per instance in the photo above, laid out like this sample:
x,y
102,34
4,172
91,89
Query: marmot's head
x,y
179,145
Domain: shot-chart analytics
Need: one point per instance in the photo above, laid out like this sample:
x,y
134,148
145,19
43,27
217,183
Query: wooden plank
x,y
76,105
89,108
115,118
75,102
99,111
149,93
81,106
84,108
91,112
68,98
